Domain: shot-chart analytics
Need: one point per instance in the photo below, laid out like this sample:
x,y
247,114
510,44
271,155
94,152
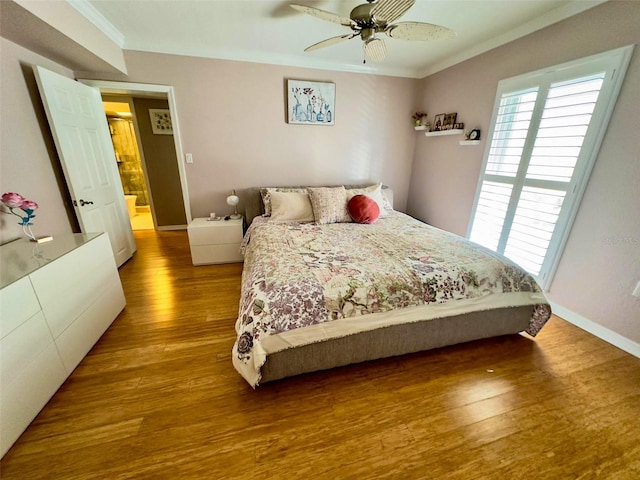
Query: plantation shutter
x,y
546,130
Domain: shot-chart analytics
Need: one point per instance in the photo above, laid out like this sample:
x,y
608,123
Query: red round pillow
x,y
363,209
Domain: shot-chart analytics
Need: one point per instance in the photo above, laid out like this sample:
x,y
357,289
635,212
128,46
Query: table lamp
x,y
233,200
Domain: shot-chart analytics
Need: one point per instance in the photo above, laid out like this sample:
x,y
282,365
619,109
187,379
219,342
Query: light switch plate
x,y
188,158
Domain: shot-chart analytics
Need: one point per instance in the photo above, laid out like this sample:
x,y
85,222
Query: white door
x,y
82,138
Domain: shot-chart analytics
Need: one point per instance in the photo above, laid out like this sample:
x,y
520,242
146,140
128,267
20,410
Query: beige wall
x,y
232,119
28,162
161,166
601,262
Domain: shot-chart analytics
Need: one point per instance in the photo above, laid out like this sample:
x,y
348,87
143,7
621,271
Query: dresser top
x,y
23,257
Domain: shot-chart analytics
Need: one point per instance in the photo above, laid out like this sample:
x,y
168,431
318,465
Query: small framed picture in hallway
x,y
161,121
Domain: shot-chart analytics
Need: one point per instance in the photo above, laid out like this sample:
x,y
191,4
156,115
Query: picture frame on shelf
x,y
458,126
438,122
450,120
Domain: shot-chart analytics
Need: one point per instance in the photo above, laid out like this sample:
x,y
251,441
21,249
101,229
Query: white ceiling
x,y
269,31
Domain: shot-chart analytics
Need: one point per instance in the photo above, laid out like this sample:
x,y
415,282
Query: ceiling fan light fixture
x,y
377,17
375,49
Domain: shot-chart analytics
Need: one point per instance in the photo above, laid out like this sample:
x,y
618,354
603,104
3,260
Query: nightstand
x,y
215,241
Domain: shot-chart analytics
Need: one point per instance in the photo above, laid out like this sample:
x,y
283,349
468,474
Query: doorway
x,y
160,152
124,136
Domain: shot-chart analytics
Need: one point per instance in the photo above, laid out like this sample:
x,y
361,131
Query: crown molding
x,y
284,60
94,16
543,21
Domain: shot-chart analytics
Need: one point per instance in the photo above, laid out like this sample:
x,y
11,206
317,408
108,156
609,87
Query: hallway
x,y
142,219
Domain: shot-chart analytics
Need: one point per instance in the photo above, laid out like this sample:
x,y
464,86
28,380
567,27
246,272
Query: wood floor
x,y
157,397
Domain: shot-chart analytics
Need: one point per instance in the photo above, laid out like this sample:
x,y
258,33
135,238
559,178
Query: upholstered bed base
x,y
396,340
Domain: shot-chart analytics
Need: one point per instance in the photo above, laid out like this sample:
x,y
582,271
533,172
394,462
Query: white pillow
x,y
265,193
374,192
291,207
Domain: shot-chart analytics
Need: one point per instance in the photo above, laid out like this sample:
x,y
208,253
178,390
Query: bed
x,y
318,295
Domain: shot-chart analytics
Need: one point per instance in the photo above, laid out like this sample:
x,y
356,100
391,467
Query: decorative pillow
x,y
363,209
291,207
329,204
375,193
265,193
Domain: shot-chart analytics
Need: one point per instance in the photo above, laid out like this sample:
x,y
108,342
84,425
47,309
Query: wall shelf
x,y
469,142
444,132
420,127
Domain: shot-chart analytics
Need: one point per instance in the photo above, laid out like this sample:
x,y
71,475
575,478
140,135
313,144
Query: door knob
x,y
85,202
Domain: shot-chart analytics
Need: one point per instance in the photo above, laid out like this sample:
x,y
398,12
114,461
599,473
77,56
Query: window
x,y
545,134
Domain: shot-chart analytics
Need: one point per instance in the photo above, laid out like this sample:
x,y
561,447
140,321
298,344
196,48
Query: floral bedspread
x,y
297,275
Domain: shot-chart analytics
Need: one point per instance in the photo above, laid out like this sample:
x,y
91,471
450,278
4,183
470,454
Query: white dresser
x,y
215,241
56,301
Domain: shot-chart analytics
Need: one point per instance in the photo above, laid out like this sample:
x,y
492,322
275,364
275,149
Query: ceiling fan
x,y
375,17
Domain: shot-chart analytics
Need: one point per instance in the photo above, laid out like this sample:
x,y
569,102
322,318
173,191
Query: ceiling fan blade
x,y
389,11
375,49
419,31
321,14
329,41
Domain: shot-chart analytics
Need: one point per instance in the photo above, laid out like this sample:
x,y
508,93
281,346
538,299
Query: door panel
x,y
83,142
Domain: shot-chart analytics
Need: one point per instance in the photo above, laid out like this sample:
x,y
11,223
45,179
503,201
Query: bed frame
x,y
388,341
395,340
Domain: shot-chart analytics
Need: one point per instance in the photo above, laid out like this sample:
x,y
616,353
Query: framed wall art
x,y
311,103
160,121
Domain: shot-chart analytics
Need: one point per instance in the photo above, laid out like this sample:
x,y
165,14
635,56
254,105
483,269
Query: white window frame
x,y
615,63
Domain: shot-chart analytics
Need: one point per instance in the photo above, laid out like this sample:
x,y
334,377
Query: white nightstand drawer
x,y
203,232
207,254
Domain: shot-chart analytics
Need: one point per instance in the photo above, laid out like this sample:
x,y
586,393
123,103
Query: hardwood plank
x,y
157,397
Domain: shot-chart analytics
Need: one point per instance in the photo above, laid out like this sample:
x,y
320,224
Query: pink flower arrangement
x,y
13,201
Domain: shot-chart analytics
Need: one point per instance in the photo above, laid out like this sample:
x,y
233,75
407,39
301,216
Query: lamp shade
x,y
232,201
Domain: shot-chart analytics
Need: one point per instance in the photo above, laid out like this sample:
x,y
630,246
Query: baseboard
x,y
603,333
172,227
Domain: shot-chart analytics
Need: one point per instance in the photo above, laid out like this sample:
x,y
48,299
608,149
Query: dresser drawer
x,y
22,346
18,303
81,335
24,396
67,287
